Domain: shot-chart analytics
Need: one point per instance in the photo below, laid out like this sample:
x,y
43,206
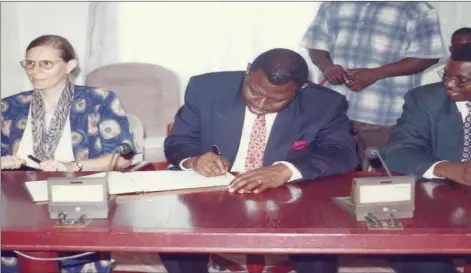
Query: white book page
x,y
146,181
149,181
37,190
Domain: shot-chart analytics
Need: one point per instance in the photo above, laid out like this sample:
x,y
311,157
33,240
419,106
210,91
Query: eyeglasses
x,y
43,64
459,80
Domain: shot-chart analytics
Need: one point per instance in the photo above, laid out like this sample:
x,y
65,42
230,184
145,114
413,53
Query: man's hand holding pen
x,y
208,164
255,181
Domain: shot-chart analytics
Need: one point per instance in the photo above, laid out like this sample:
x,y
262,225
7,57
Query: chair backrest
x,y
137,130
148,91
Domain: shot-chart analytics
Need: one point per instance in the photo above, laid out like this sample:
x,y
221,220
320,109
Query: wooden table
x,y
299,218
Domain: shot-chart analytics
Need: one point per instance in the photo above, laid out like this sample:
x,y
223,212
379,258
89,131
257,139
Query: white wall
x,y
12,74
453,15
21,22
196,38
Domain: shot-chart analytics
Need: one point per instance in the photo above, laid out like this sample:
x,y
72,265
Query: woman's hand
x,y
53,166
10,162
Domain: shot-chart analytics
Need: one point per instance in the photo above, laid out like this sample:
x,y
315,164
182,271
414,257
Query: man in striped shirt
x,y
373,53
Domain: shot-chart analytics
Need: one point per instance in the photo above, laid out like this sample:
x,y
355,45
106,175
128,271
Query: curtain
x,y
193,38
103,32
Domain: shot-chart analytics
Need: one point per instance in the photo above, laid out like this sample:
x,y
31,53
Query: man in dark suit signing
x,y
271,125
432,139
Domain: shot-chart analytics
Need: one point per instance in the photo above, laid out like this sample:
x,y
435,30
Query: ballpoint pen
x,y
34,159
216,151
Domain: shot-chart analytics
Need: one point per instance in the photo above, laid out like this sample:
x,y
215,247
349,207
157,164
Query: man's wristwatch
x,y
79,165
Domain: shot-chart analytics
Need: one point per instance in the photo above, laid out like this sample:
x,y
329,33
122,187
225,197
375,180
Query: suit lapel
x,y
451,138
283,134
228,121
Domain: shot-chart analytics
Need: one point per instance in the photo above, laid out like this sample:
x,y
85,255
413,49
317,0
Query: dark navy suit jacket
x,y
312,132
429,130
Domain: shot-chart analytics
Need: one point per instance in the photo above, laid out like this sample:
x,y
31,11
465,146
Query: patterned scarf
x,y
45,141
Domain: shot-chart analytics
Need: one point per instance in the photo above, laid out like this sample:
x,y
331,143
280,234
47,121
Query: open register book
x,y
143,181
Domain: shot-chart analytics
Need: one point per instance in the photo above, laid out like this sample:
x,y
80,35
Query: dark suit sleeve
x,y
333,151
184,139
409,150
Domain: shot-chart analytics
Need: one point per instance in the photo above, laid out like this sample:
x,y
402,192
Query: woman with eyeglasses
x,y
59,126
64,127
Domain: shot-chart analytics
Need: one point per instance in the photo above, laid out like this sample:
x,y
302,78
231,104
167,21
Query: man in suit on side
x,y
432,139
271,125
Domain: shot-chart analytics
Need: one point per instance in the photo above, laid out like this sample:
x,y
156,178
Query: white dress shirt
x,y
429,174
239,162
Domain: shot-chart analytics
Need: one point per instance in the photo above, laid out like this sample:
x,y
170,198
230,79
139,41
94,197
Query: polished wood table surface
x,y
299,218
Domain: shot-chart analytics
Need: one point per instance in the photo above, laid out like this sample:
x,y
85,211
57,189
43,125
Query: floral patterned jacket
x,y
98,122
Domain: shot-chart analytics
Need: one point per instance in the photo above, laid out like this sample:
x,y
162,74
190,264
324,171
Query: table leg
x,y
27,265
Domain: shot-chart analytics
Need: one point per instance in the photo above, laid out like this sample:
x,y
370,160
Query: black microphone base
x,y
376,164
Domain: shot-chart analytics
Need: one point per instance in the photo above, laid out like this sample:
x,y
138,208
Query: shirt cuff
x,y
182,167
295,173
429,173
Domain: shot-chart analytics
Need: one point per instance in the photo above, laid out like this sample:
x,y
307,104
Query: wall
x,y
210,36
453,15
21,22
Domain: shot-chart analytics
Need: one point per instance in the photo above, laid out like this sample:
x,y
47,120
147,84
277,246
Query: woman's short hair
x,y
60,43
67,52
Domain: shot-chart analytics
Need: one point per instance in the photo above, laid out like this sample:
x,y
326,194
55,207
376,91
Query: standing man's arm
x,y
360,78
425,48
318,40
334,73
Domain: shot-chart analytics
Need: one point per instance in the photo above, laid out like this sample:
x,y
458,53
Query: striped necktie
x,y
466,151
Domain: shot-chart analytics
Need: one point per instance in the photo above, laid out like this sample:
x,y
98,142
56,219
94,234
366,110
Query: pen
x,y
34,159
216,151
